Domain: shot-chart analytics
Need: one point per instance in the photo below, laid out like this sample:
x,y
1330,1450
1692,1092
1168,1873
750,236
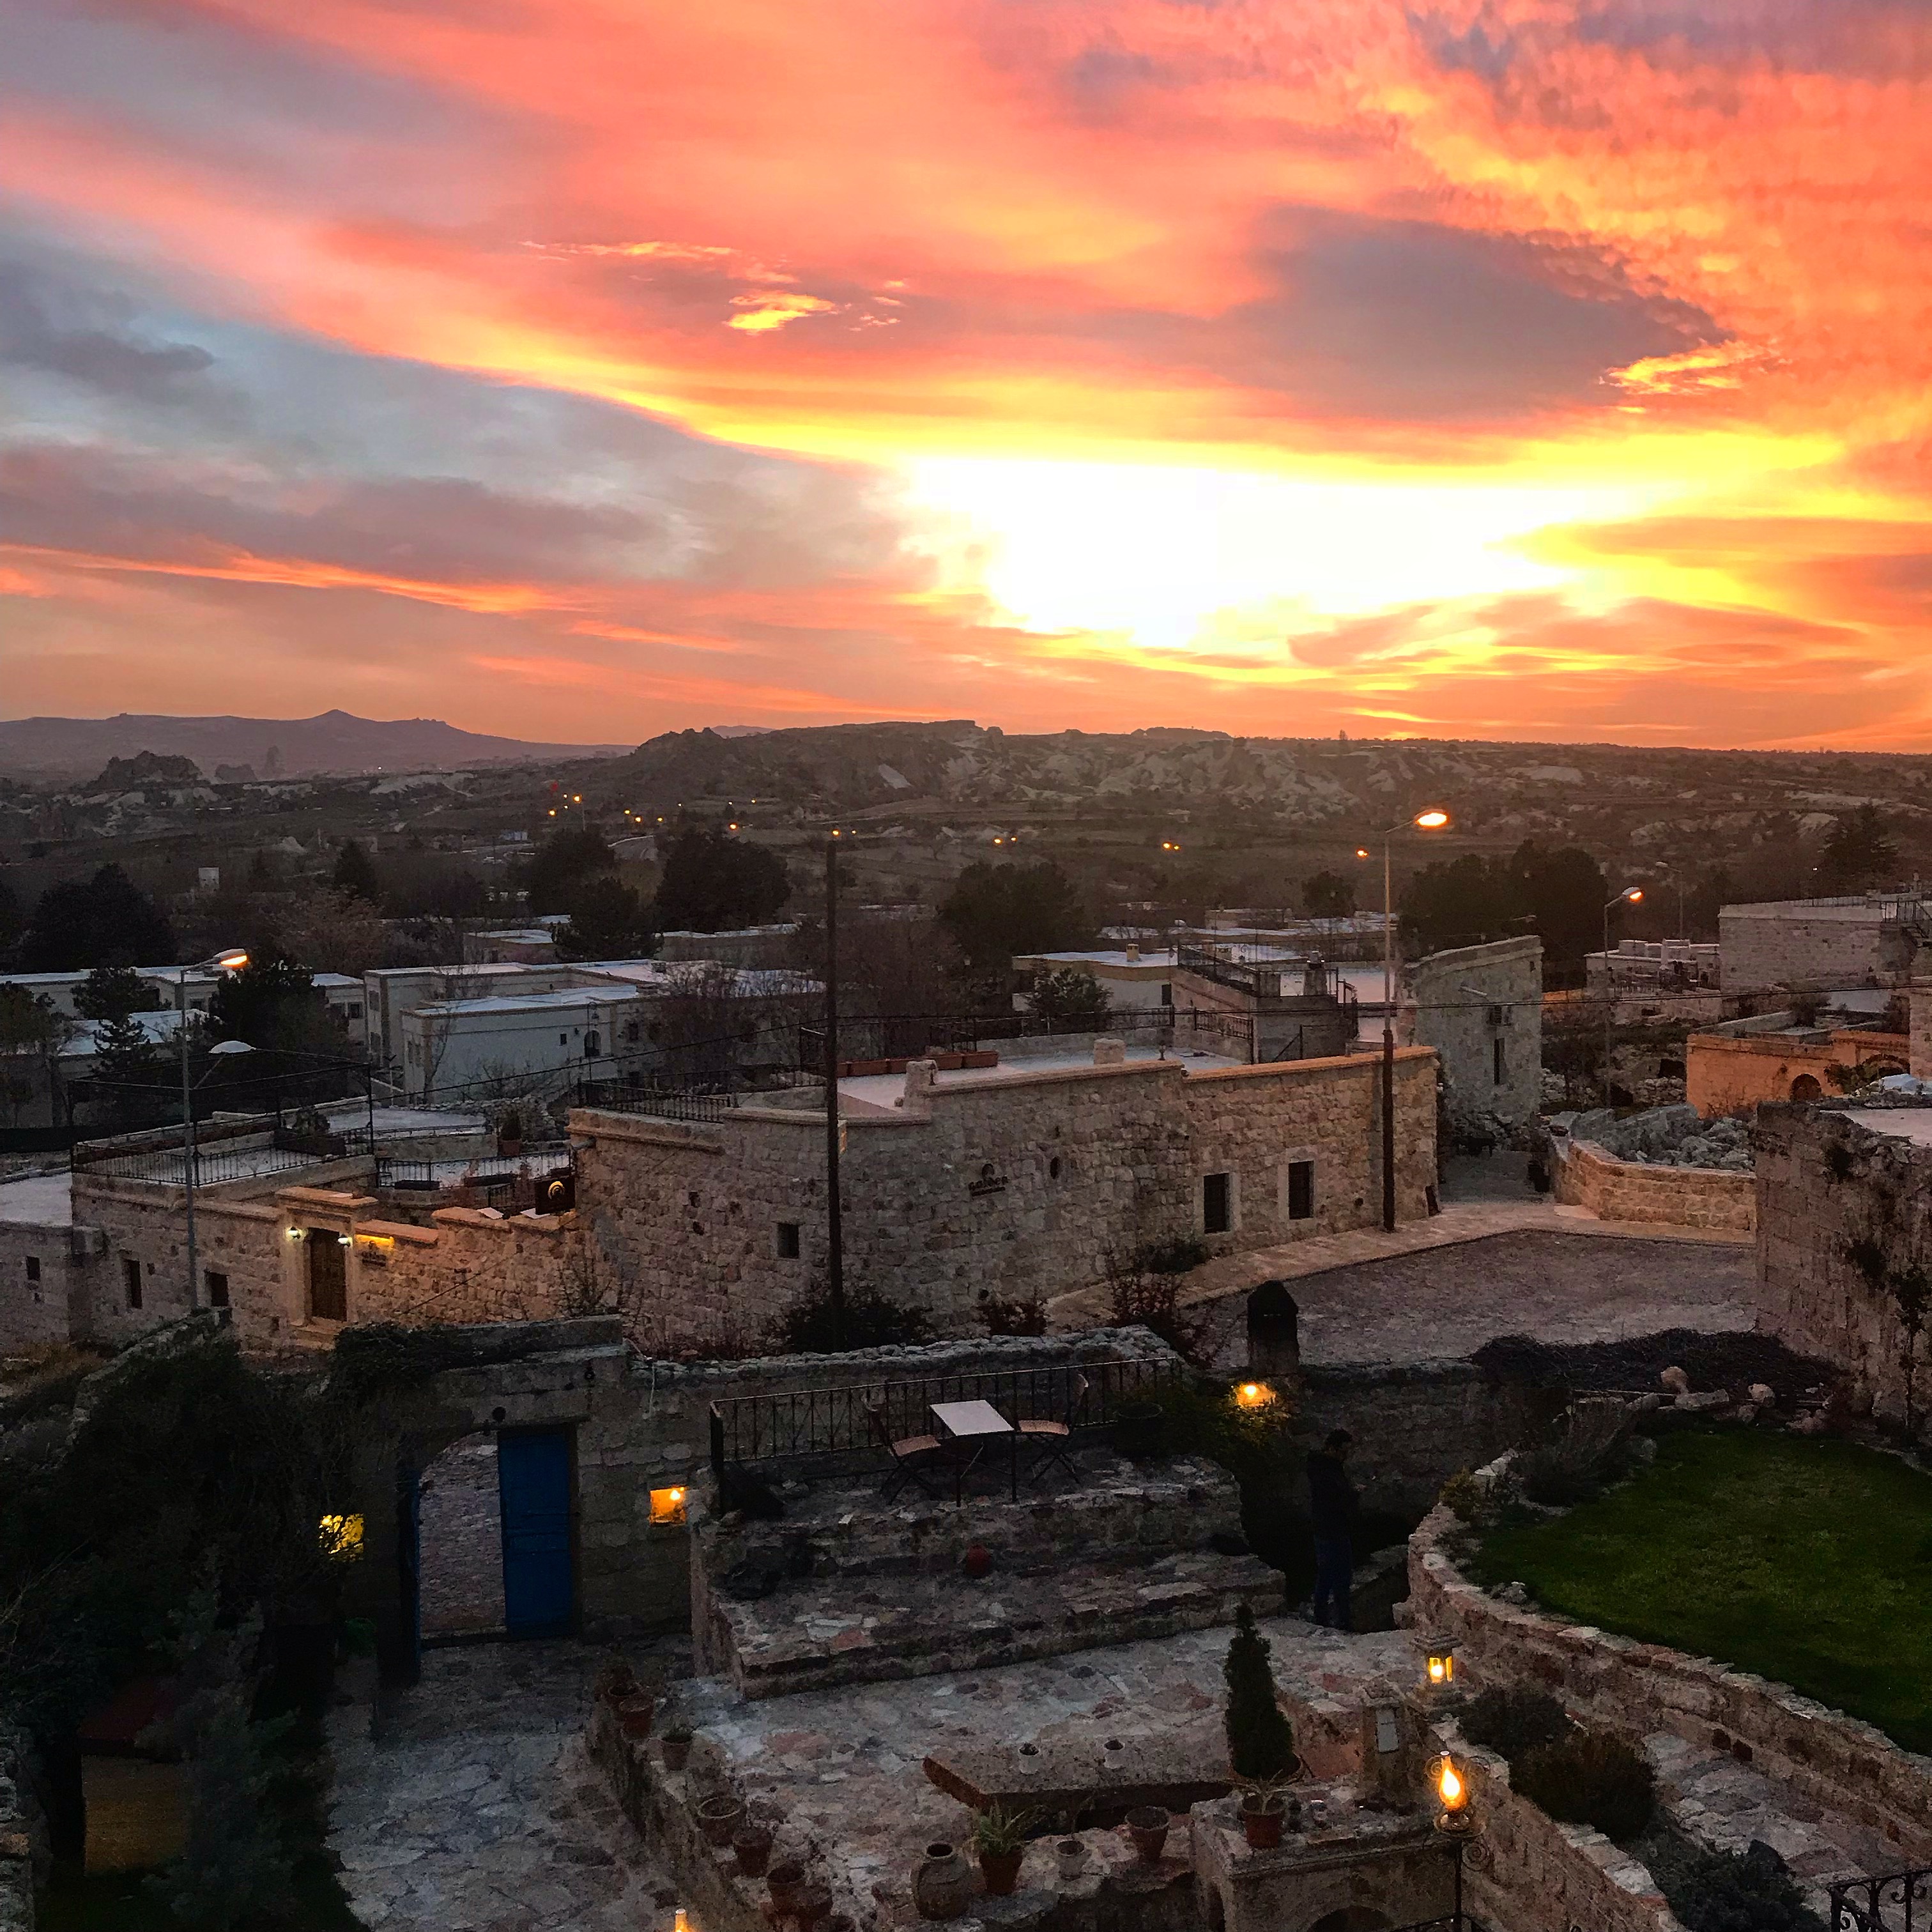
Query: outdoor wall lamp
x,y
1441,1671
667,1506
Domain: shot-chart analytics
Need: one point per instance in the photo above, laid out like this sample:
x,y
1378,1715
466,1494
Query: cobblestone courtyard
x,y
470,1804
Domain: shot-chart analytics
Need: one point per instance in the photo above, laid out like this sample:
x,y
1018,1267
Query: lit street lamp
x,y
1434,820
1629,895
233,961
1456,1821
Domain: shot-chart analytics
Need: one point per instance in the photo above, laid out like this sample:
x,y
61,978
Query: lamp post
x,y
1629,895
1433,819
835,1230
230,961
1456,1822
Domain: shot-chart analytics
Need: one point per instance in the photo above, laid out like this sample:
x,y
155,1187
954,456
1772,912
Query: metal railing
x,y
833,1421
277,1151
534,1164
1899,1901
663,1103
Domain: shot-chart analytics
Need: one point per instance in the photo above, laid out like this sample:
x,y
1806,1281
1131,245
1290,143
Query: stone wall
x,y
1465,1003
1817,946
1587,1176
1842,1765
1733,1073
18,1822
1017,1186
1830,1189
40,1273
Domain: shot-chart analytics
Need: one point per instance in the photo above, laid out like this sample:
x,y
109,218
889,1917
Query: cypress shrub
x,y
1261,1740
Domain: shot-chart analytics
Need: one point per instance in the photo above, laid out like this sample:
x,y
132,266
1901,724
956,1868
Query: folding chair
x,y
908,1454
1055,1438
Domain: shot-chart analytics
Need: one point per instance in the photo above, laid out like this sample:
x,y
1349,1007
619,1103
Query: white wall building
x,y
1134,981
547,1038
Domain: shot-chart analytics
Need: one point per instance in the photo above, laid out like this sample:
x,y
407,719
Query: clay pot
x,y
977,1561
635,1713
1069,1859
784,1882
676,1751
1147,1826
718,1818
942,1882
620,1682
751,1846
1113,1755
1263,1827
813,1905
1000,1871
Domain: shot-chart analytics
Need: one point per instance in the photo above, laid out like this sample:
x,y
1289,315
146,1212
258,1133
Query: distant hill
x,y
77,748
148,768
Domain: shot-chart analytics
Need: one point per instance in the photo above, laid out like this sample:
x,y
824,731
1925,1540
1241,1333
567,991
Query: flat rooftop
x,y
882,1089
37,1201
1899,1123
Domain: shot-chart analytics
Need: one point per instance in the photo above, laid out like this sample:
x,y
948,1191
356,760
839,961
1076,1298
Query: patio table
x,y
976,1423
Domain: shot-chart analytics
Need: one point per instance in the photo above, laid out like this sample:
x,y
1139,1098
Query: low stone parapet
x,y
1836,1762
1590,1176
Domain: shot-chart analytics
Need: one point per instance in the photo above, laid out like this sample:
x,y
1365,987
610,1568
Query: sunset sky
x,y
1540,369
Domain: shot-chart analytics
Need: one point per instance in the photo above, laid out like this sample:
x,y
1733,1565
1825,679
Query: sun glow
x,y
1192,559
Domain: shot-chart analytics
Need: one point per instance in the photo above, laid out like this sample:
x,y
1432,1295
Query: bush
x,y
1590,1778
1013,1318
1515,1721
1462,1496
1586,1450
1261,1740
871,1321
1144,1290
1750,1891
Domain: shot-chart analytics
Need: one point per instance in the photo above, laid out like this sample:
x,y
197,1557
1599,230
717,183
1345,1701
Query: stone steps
x,y
1723,1805
824,1632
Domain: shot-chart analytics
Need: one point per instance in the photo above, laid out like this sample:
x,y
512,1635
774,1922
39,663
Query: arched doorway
x,y
1806,1087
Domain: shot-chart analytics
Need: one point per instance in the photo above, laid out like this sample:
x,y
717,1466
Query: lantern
x,y
1452,1794
1442,1668
667,1505
1253,1395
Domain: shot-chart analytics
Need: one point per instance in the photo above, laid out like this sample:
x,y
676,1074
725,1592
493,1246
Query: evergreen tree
x,y
608,920
713,882
564,863
124,1055
1261,1740
1069,995
113,992
104,920
996,911
1328,895
1860,853
356,873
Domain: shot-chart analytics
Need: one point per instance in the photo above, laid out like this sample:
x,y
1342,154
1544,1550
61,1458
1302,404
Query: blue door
x,y
533,1486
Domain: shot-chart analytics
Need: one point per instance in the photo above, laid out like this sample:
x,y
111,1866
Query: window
x,y
1167,995
787,1240
33,1268
217,1284
1217,1206
563,1040
355,1012
667,1506
633,1032
1501,1060
1301,1190
130,1279
593,1045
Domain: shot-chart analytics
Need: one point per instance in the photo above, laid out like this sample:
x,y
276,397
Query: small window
x,y
787,1240
563,1040
1501,1060
130,1278
1217,1215
633,1032
218,1288
355,1012
593,1045
667,1506
1301,1190
1166,995
33,1268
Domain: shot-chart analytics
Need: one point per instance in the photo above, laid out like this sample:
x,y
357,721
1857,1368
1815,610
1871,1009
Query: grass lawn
x,y
1802,1559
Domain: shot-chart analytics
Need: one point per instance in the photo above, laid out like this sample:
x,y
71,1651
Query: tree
x,y
1859,852
1261,1740
1069,995
125,1054
1563,892
608,920
994,912
714,883
10,920
274,1002
105,920
329,931
113,992
32,1036
356,873
1328,895
571,856
1459,899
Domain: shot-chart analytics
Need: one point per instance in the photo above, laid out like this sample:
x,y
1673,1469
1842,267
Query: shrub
x,y
1590,1778
872,1321
1261,1740
1462,1496
1750,1891
1585,1452
1013,1318
1515,1721
1144,1290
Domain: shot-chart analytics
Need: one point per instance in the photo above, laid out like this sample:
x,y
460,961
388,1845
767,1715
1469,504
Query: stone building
x,y
1019,1180
1821,945
1480,1007
1736,1067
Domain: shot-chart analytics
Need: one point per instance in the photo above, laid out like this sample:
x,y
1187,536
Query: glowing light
x,y
231,962
1433,819
1254,1395
1450,1788
1361,851
341,1537
667,1505
1441,1668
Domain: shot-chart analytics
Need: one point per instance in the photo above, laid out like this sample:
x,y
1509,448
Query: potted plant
x,y
1138,1428
999,1842
785,1881
676,1745
616,1679
1147,1825
1264,1810
813,1905
752,1845
510,1134
635,1712
1070,1858
719,1816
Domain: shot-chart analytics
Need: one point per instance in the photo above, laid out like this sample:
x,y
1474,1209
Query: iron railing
x,y
664,1103
276,1150
535,1164
1884,1904
816,1422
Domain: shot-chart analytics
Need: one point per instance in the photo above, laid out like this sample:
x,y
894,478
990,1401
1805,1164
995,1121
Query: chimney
x,y
1133,952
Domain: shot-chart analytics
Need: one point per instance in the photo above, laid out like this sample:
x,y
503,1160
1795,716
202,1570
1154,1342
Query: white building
x,y
57,989
547,1038
1134,981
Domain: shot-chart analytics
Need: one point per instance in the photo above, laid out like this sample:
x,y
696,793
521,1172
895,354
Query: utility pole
x,y
835,1232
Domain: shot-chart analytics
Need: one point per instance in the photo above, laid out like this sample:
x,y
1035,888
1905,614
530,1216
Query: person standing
x,y
1333,1508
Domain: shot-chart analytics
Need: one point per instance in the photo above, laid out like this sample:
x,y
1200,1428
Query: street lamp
x,y
232,961
1456,1822
1435,819
1629,895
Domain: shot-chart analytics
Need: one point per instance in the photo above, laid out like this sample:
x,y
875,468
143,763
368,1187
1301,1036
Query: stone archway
x,y
1806,1087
